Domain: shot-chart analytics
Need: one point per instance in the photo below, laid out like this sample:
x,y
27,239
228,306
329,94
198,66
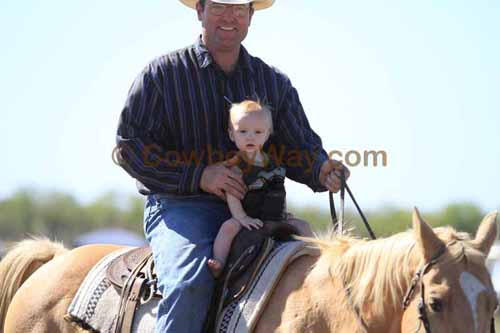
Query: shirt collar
x,y
205,59
202,54
245,59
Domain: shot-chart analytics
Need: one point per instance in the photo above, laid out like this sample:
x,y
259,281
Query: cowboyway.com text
x,y
154,155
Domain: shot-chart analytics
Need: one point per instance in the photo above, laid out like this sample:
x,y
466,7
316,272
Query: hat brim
x,y
257,4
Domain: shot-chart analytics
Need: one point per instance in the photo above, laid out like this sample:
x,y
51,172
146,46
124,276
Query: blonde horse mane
x,y
22,260
379,272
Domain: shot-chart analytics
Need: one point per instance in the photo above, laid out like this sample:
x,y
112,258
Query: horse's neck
x,y
308,299
340,304
389,323
332,297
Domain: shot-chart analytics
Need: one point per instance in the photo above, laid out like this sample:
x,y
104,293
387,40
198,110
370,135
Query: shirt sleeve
x,y
297,145
142,142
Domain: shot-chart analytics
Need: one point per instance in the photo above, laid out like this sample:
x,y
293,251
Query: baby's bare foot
x,y
215,266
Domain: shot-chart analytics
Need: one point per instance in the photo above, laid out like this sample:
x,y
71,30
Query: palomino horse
x,y
352,286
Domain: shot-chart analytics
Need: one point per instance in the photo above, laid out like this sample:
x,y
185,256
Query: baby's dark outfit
x,y
266,197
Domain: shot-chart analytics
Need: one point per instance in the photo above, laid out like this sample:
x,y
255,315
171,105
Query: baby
x,y
250,125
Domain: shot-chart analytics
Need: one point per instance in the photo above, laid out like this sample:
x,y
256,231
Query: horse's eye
x,y
436,305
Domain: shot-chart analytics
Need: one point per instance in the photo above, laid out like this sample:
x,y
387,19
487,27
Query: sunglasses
x,y
219,9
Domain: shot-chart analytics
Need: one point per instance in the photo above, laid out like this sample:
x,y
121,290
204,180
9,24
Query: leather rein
x,y
338,223
338,226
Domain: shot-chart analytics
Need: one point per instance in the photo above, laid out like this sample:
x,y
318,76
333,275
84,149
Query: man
x,y
174,126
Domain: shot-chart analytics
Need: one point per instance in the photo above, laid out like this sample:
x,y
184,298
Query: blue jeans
x,y
181,232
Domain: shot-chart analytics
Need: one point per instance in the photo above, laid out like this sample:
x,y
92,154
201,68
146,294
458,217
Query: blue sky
x,y
419,80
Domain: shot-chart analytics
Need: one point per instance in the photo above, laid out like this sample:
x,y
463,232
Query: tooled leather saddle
x,y
132,273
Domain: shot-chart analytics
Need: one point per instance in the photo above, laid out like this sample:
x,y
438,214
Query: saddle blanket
x,y
95,305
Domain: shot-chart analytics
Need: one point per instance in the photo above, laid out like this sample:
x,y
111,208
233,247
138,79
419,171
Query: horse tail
x,y
22,260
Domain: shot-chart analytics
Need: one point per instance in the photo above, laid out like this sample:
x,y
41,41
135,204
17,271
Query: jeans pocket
x,y
152,212
162,204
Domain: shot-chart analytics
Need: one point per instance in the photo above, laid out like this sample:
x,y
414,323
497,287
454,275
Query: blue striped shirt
x,y
175,120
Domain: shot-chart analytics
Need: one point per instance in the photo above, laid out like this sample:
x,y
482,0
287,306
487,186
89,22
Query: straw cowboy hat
x,y
257,4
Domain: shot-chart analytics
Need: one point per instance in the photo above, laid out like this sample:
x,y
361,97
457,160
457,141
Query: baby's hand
x,y
250,223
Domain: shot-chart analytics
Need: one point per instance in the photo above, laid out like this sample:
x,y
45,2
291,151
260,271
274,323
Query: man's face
x,y
224,26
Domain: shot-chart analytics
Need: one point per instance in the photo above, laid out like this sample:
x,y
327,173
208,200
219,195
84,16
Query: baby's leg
x,y
303,227
222,245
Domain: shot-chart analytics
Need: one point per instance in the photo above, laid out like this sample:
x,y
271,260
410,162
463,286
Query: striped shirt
x,y
175,121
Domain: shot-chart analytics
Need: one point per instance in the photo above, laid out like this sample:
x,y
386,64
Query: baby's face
x,y
250,131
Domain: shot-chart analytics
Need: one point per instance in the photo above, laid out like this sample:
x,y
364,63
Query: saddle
x,y
132,273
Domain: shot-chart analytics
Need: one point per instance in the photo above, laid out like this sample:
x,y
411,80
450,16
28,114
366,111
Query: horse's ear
x,y
486,233
427,240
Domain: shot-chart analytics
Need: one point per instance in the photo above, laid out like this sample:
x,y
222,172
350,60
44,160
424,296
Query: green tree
x,y
59,216
462,216
17,214
103,212
133,214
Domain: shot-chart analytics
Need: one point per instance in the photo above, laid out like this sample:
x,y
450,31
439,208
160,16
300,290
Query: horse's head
x,y
452,290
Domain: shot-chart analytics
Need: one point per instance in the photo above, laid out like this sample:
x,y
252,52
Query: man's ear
x,y
251,15
199,11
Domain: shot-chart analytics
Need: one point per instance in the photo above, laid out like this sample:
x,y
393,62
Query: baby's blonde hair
x,y
246,107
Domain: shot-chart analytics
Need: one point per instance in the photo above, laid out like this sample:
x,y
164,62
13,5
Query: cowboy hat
x,y
257,4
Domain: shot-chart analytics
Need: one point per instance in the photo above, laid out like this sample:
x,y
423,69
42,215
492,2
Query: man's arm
x,y
141,142
297,145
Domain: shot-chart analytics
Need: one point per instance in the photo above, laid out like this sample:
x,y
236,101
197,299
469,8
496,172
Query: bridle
x,y
417,279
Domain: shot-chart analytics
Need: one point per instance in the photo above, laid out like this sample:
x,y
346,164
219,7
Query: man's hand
x,y
249,223
222,178
329,174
